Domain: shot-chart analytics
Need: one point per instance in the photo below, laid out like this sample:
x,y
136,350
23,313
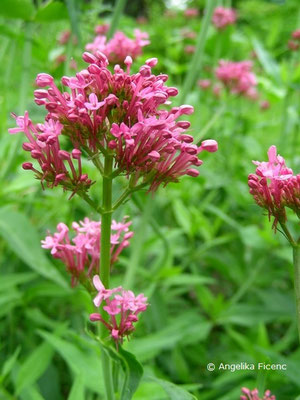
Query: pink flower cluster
x,y
122,306
237,77
274,187
254,395
81,254
222,17
57,167
293,44
120,46
191,12
102,29
112,113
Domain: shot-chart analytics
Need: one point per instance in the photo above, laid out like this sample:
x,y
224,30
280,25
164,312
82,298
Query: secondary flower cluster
x,y
222,17
274,187
122,306
81,254
254,395
114,113
56,166
119,46
237,77
191,12
294,42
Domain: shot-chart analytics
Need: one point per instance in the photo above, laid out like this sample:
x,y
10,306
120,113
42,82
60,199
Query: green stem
x,y
105,265
196,62
106,222
287,234
296,259
118,11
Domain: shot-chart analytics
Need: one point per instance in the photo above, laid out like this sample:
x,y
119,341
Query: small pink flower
x,y
265,105
294,46
191,12
102,29
222,17
248,394
119,46
81,254
189,49
93,103
204,83
122,306
274,187
237,77
296,34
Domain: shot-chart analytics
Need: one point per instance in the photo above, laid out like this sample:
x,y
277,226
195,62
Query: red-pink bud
x,y
192,172
152,62
27,165
76,154
43,80
209,145
64,155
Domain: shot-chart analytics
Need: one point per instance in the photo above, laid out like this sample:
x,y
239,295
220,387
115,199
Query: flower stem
x,y
296,259
196,63
105,264
118,11
106,222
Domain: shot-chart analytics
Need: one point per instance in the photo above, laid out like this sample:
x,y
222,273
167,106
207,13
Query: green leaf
x,y
34,367
175,392
52,11
265,58
83,360
133,374
182,216
10,280
187,280
10,362
23,239
132,369
17,9
77,391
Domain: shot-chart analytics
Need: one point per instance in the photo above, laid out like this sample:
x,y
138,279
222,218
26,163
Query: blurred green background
x,y
219,281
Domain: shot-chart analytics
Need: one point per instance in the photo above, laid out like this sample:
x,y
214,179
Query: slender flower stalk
x,y
296,259
196,62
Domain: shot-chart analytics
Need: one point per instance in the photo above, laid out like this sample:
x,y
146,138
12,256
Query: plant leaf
x,y
23,239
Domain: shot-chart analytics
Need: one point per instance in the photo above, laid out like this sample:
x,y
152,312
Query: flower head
x,y
248,394
119,46
81,254
191,12
237,77
274,186
222,17
116,113
122,306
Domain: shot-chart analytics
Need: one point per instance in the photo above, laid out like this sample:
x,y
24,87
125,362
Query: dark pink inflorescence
x,y
237,77
81,254
122,307
119,46
274,187
222,17
248,394
57,167
112,113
